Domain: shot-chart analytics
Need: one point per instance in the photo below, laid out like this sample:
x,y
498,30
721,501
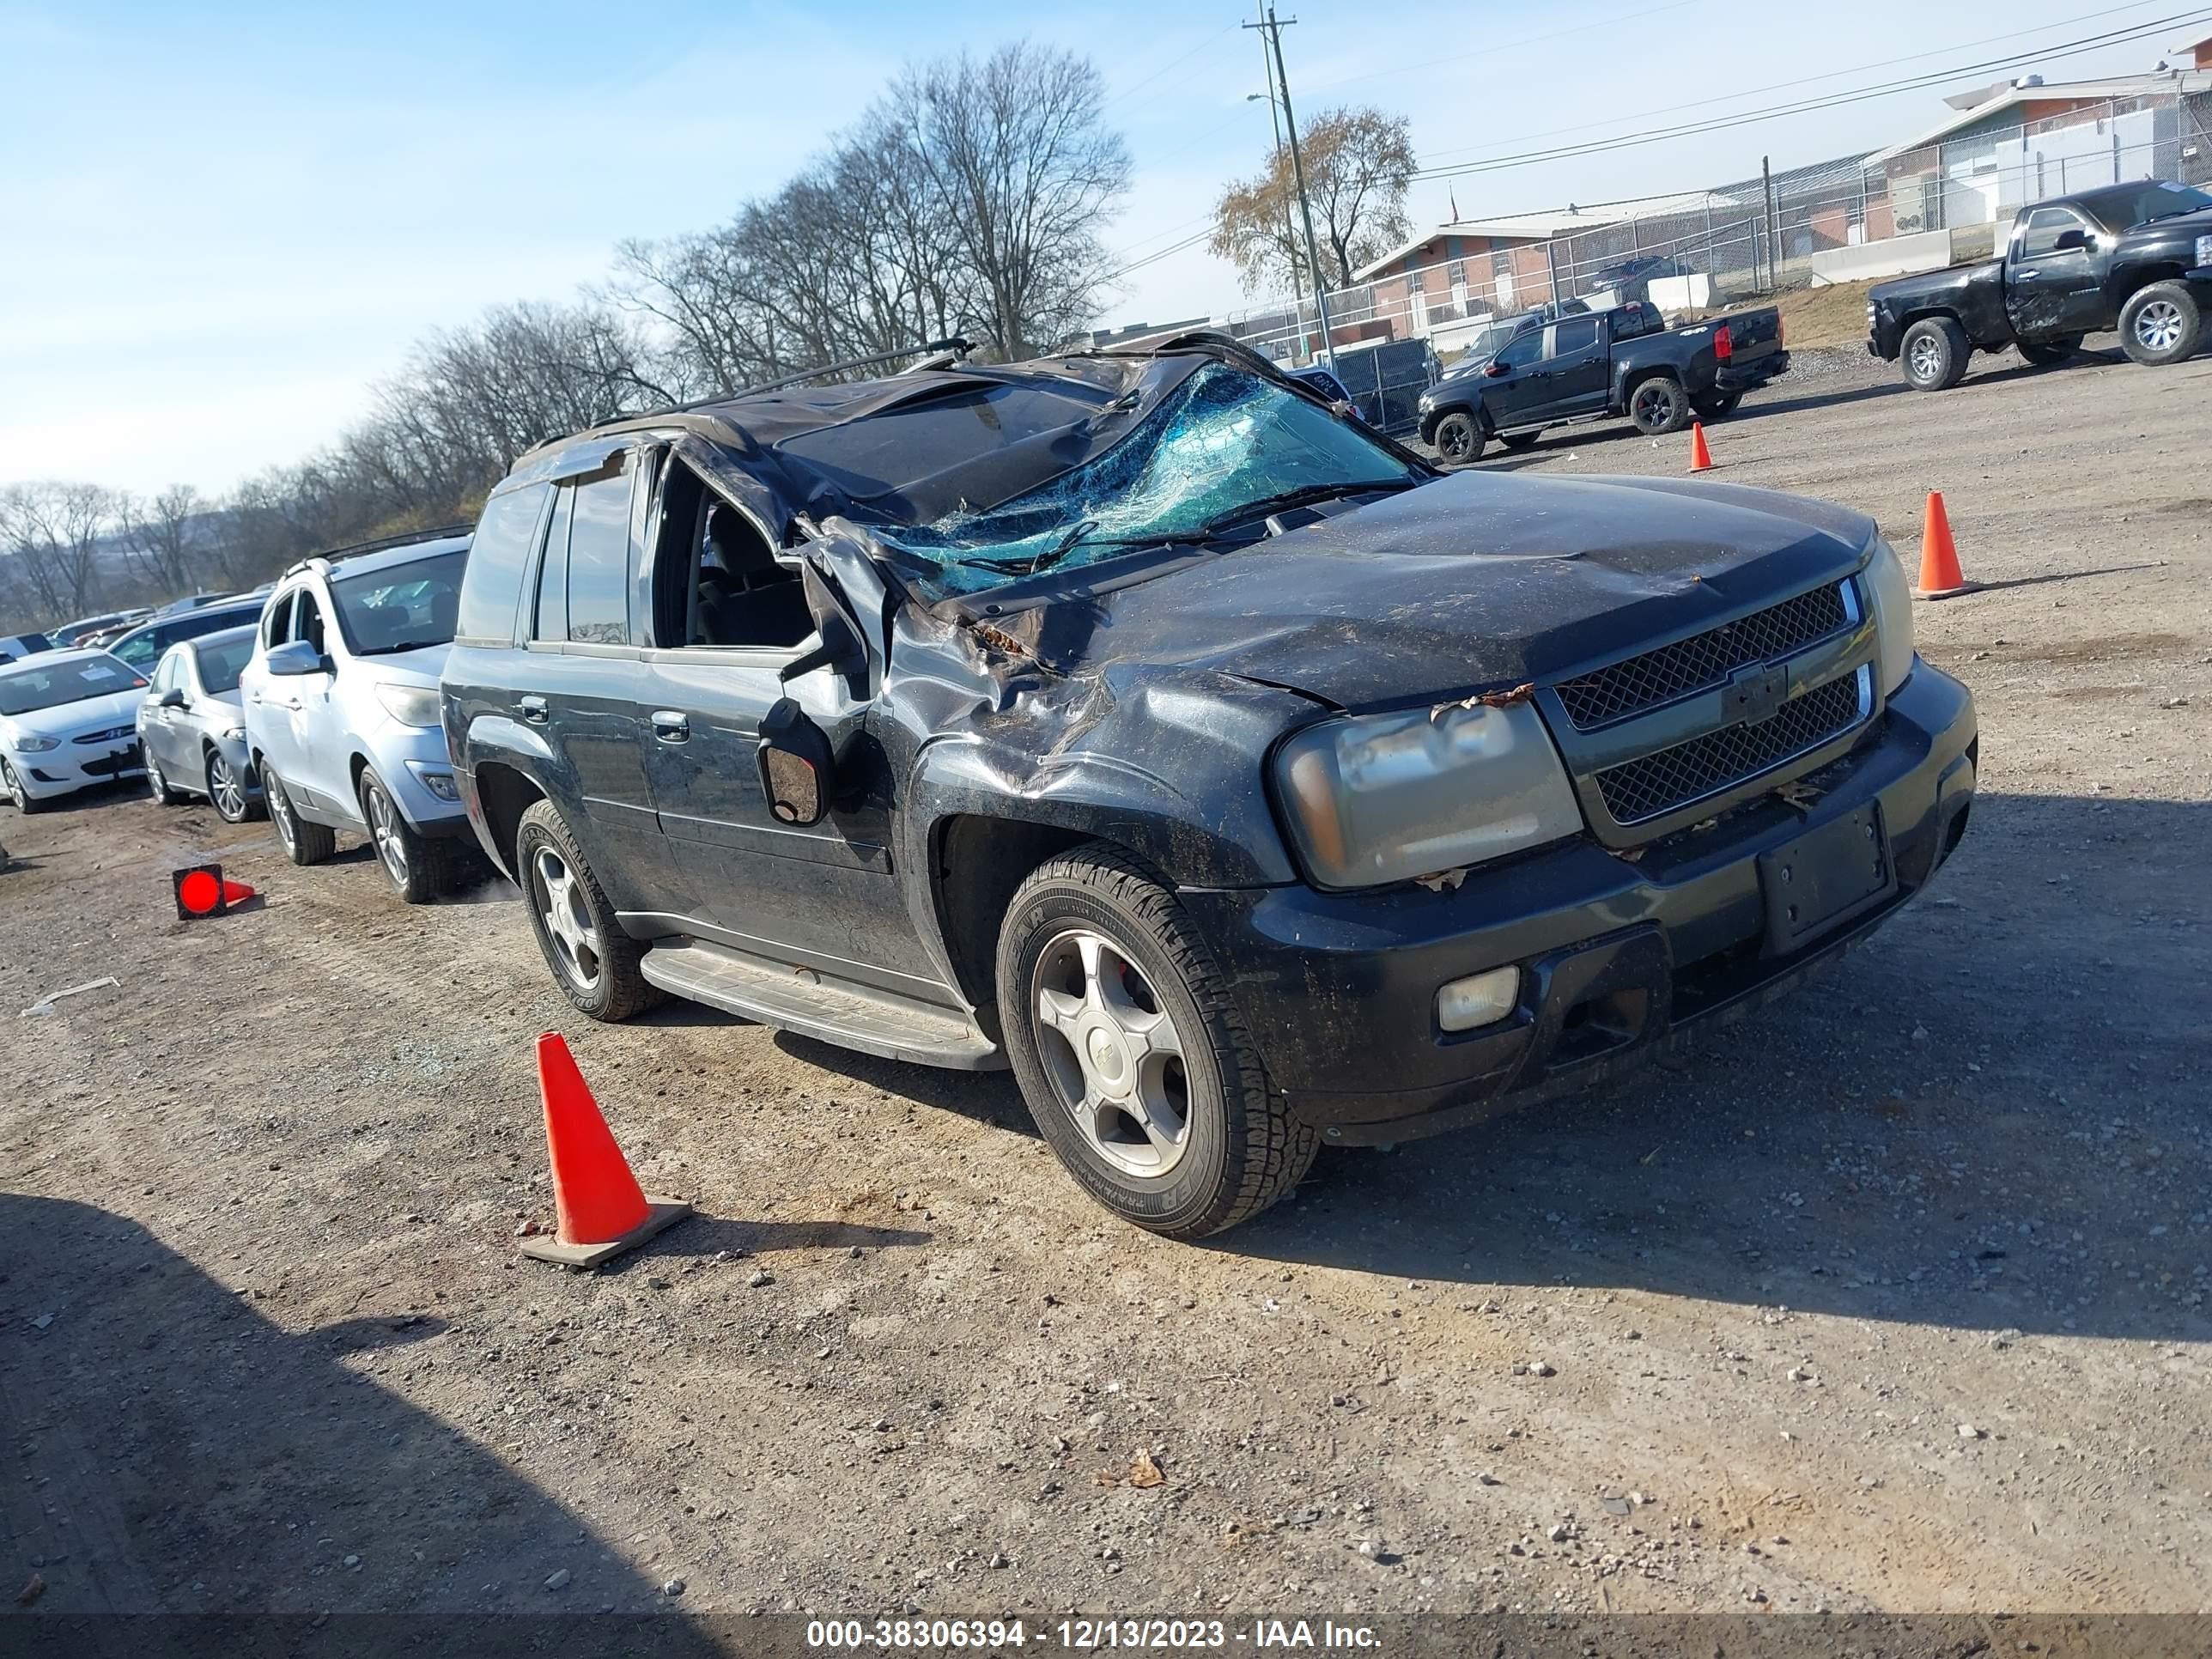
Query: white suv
x,y
341,699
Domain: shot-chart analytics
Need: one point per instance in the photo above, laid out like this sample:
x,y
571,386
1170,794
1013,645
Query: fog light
x,y
439,784
1478,1000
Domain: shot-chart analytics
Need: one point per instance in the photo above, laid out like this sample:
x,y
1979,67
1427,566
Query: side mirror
x,y
2071,241
172,698
1494,370
795,765
294,657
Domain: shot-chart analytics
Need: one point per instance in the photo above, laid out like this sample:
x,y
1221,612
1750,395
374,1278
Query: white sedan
x,y
67,719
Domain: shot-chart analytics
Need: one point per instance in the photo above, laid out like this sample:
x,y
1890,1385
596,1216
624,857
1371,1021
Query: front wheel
x,y
2161,324
1131,1056
2046,354
420,868
1459,440
1659,405
26,802
1934,350
227,789
1716,405
303,843
595,963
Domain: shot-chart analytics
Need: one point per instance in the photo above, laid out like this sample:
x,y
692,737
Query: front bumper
x,y
1619,957
76,766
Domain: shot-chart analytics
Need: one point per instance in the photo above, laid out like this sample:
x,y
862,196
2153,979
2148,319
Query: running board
x,y
837,1010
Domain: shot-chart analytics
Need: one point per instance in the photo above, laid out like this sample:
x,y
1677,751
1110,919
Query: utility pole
x,y
1274,31
1773,251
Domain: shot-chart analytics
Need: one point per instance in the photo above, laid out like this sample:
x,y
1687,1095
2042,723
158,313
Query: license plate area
x,y
1821,880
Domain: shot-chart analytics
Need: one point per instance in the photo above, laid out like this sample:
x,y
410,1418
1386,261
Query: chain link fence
x,y
1874,213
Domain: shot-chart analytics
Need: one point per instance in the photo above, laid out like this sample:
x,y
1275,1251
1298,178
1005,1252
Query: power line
x,y
1807,80
2066,49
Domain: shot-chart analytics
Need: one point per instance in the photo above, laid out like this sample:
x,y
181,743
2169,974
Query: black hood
x,y
1478,581
2195,223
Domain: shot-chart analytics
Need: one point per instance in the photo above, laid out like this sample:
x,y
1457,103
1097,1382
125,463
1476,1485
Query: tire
x,y
1518,440
421,867
2161,324
158,783
1459,439
1934,355
1716,405
26,802
226,790
303,843
1657,406
2044,353
1095,938
608,987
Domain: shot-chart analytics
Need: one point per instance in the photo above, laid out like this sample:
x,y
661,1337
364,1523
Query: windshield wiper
x,y
1044,560
404,645
1301,497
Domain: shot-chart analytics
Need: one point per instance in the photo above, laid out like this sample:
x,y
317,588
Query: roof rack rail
x,y
939,354
333,556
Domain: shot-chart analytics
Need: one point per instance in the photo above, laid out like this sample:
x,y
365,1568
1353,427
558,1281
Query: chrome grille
x,y
113,734
1623,689
1669,778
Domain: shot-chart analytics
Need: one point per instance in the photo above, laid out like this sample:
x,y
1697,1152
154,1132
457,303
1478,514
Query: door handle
x,y
2025,276
670,726
534,710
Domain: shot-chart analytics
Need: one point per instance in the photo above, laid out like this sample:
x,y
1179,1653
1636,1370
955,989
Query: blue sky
x,y
219,223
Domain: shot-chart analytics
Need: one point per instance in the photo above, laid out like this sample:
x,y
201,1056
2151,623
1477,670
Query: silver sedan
x,y
194,729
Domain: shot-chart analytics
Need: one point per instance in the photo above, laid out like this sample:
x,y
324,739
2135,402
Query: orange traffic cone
x,y
600,1208
1701,459
1939,576
201,890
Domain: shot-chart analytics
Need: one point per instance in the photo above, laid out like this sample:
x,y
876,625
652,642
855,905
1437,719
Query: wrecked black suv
x,y
1141,722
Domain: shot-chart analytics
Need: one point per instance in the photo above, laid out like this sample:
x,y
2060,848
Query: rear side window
x,y
599,560
497,557
552,615
1579,334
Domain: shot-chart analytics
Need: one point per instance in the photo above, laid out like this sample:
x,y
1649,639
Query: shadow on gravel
x,y
161,1432
1990,1115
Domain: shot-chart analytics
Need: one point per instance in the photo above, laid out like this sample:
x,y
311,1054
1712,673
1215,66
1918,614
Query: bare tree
x,y
164,538
1359,164
52,532
1027,173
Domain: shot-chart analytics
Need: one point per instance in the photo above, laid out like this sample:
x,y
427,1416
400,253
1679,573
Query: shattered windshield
x,y
1224,440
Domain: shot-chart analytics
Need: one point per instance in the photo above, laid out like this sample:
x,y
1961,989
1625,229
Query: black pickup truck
x,y
1141,721
2137,256
1624,361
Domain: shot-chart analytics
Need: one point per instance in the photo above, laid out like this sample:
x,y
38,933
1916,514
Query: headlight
x,y
1386,798
410,705
234,734
1889,597
36,745
2204,250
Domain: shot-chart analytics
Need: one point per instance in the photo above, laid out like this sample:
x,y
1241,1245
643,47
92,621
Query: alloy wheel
x,y
386,830
280,810
158,785
567,918
1927,359
1112,1053
14,785
224,789
2158,325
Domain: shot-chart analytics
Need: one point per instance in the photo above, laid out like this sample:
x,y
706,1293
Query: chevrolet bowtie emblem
x,y
1756,693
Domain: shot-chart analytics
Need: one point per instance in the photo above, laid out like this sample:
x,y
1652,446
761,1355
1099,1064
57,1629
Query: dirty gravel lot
x,y
1892,1296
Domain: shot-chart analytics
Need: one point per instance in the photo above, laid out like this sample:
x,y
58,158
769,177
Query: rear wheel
x,y
2161,324
1934,352
420,867
227,789
594,962
1459,440
1716,405
158,782
303,843
1518,440
1131,1056
2042,354
1658,406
